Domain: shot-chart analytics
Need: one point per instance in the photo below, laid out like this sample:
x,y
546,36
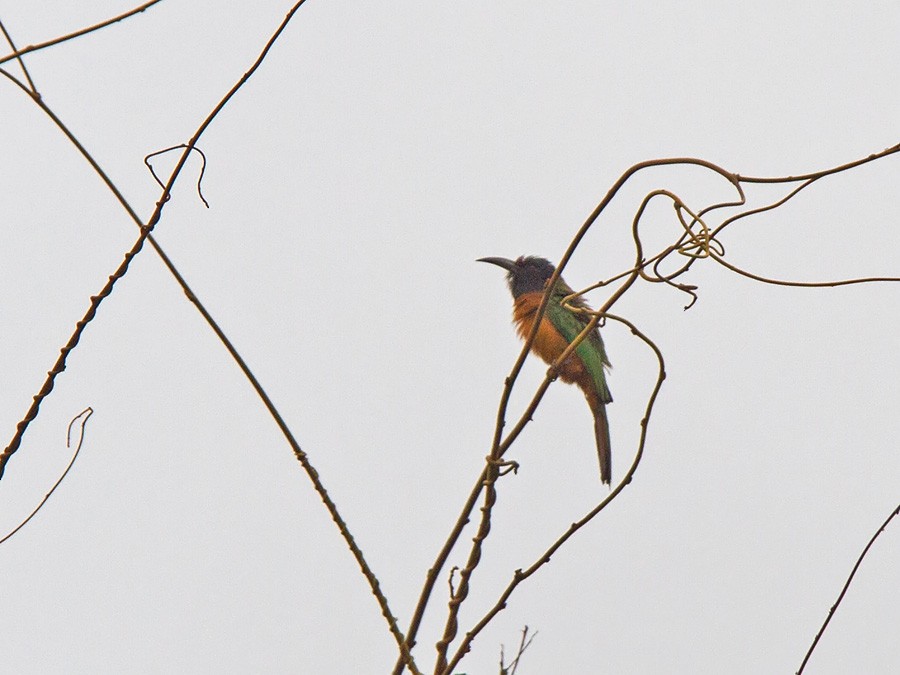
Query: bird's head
x,y
525,274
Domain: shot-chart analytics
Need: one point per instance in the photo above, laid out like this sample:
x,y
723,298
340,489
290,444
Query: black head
x,y
525,274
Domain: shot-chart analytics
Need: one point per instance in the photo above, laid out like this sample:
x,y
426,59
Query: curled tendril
x,y
178,147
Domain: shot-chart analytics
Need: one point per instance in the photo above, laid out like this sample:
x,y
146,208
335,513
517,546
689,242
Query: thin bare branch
x,y
837,603
451,626
78,33
801,284
434,571
21,61
524,644
83,416
145,234
60,364
176,147
815,175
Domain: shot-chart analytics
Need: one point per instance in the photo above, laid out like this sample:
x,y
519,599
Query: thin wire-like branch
x,y
499,446
84,415
19,58
805,179
524,644
890,150
60,364
145,234
802,284
846,586
36,98
520,575
176,147
18,54
295,446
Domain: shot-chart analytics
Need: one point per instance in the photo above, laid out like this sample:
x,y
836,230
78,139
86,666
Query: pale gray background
x,y
380,149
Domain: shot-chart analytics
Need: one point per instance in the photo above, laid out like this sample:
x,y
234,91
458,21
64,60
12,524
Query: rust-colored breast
x,y
548,343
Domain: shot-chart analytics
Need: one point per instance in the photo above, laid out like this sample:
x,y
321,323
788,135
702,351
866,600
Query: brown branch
x,y
60,364
145,234
451,626
36,98
801,284
71,36
524,643
519,576
21,61
434,571
846,586
805,179
176,147
84,415
298,452
815,175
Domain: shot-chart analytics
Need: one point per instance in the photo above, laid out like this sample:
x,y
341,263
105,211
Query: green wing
x,y
591,350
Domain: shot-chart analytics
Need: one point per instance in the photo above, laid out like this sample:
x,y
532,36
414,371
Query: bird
x,y
586,366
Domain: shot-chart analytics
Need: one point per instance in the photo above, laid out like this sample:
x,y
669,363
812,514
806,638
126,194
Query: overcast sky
x,y
379,150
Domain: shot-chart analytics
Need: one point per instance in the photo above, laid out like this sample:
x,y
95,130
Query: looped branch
x,y
701,244
179,147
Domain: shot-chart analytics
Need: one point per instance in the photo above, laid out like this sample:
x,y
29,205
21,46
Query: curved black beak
x,y
505,263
